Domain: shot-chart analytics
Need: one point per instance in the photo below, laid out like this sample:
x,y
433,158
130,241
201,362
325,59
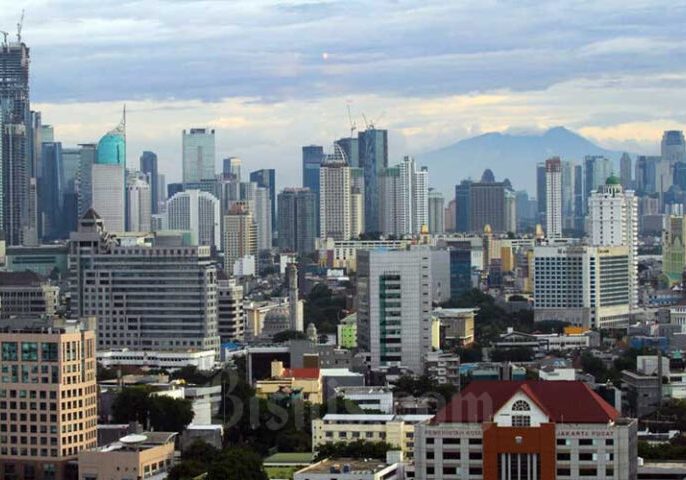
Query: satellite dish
x,y
133,439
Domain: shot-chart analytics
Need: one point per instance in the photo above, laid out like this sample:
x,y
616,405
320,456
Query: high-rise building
x,y
295,307
51,372
403,190
673,146
567,179
540,191
230,313
674,248
88,158
579,197
491,203
15,152
297,221
71,174
626,171
138,204
313,156
148,297
646,174
553,197
450,214
197,212
394,307
596,170
50,200
231,168
27,295
335,214
108,180
613,218
161,190
240,235
266,178
198,154
436,212
148,165
462,207
351,147
263,218
373,159
584,285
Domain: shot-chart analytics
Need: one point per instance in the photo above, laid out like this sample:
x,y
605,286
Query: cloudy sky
x,y
272,76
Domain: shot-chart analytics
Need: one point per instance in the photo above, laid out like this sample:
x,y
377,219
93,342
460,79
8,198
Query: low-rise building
x,y
137,455
27,295
524,430
456,326
397,430
165,360
306,381
351,469
377,399
443,367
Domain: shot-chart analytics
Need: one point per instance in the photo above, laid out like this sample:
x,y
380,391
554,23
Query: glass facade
x,y
112,149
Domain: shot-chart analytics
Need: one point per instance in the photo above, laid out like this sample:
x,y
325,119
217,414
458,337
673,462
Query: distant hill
x,y
509,156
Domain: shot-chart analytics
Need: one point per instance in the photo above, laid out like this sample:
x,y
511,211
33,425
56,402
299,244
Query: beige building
x,y
306,381
135,456
240,234
48,400
455,326
334,201
26,294
398,430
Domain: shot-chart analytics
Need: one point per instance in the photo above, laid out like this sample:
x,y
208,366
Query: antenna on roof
x,y
20,25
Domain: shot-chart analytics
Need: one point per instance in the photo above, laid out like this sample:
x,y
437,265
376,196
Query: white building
x,y
166,360
436,212
198,154
240,235
404,191
139,205
394,307
378,399
263,218
108,182
553,197
335,212
351,469
197,212
613,220
586,286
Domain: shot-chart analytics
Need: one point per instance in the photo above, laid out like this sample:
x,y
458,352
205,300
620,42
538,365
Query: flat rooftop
x,y
356,466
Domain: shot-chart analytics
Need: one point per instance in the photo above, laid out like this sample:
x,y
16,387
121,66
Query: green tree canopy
x,y
138,404
237,464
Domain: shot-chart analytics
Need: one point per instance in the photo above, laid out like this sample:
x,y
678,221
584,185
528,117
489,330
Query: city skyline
x,y
268,92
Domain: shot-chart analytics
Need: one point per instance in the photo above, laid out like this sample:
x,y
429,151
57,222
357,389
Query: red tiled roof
x,y
563,402
301,373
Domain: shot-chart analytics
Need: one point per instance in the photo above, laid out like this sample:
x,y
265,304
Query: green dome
x,y
112,149
612,180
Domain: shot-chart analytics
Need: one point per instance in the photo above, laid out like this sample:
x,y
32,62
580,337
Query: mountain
x,y
509,156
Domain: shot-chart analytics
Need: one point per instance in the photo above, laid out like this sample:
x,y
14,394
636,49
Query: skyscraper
x,y
462,207
297,220
596,170
84,182
231,168
15,132
240,235
51,192
108,179
403,190
263,218
613,216
138,204
148,166
673,146
313,156
646,173
351,148
394,307
436,212
625,171
266,178
335,213
579,197
489,205
567,179
540,191
197,212
553,197
230,313
198,154
373,148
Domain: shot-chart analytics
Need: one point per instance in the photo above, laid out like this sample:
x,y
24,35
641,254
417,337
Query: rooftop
x,y
339,464
562,401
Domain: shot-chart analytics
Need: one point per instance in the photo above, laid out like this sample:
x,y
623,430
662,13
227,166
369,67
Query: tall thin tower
x,y
553,197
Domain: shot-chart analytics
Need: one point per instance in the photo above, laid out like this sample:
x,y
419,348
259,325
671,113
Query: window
x,y
521,421
9,352
29,351
521,406
49,352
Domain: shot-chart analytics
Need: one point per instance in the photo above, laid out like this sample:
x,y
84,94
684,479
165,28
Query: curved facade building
x,y
108,178
112,149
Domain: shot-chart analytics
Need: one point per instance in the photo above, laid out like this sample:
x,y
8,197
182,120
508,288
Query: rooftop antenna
x,y
20,25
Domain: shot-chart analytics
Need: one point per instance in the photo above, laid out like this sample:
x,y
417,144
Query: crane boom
x,y
20,25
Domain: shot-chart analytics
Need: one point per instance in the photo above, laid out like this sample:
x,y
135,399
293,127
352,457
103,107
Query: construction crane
x,y
4,34
20,25
353,127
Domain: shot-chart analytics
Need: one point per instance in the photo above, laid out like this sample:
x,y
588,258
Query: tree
x,y
187,469
518,354
287,335
356,449
237,464
191,374
169,414
131,405
201,451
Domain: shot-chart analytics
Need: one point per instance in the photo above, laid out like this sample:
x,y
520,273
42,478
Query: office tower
x,y
541,191
646,173
567,179
313,156
27,295
263,218
579,197
266,178
625,171
51,404
109,179
240,235
674,248
198,154
394,307
489,205
357,197
351,148
596,170
436,212
462,207
161,191
673,147
450,214
15,161
295,312
403,190
47,134
373,159
88,157
197,212
613,218
148,165
149,297
553,197
51,192
335,214
231,168
584,285
460,261
71,173
297,221
230,313
138,203
173,189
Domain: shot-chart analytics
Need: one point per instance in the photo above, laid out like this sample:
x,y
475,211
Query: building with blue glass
x,y
373,159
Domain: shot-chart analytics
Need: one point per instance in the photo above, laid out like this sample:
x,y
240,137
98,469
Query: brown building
x,y
48,400
26,294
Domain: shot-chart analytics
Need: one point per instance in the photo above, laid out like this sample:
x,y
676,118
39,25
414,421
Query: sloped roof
x,y
562,401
